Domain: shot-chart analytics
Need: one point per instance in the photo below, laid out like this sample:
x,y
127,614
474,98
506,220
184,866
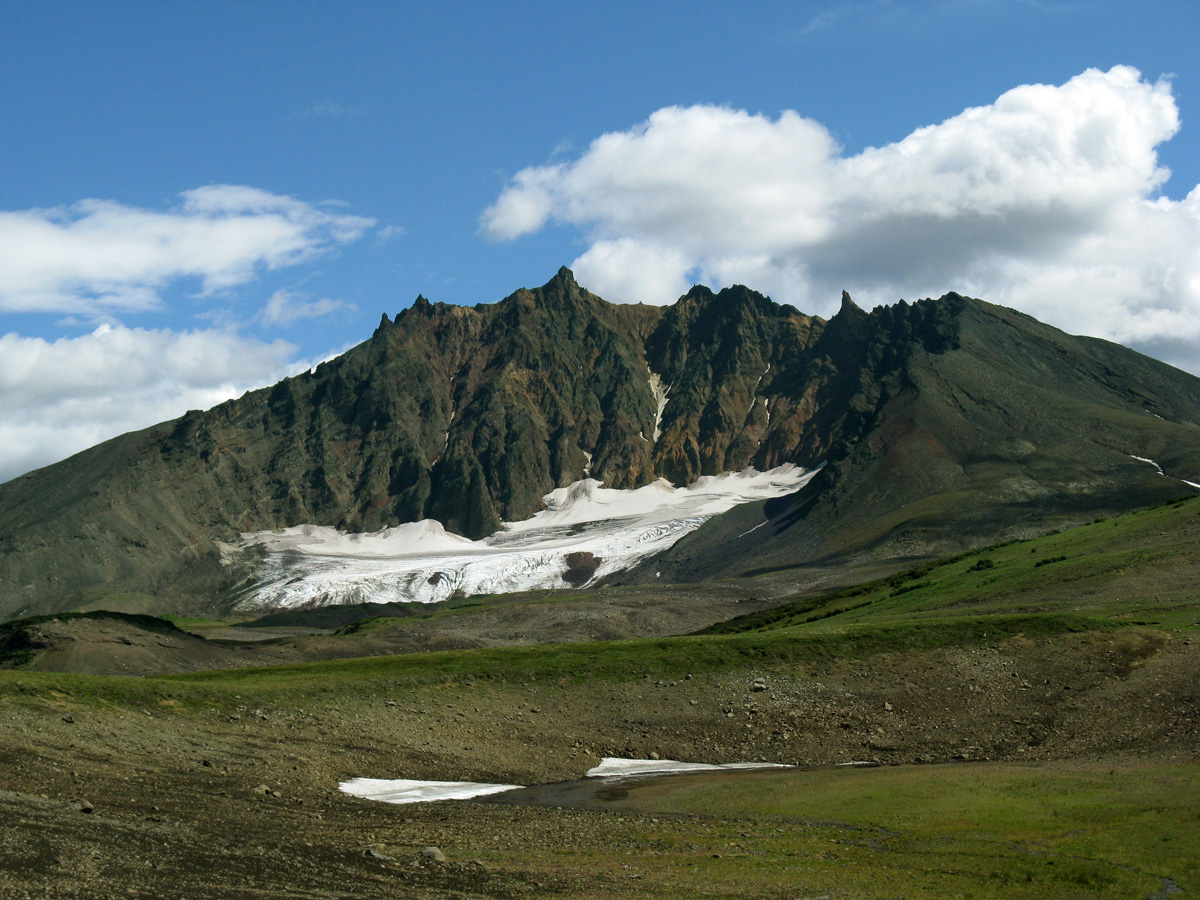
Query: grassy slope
x,y
1065,829
985,830
1140,569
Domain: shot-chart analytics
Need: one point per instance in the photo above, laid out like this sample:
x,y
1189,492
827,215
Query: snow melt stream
x,y
585,532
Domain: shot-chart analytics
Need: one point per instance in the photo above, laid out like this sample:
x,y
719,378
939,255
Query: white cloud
x,y
1046,200
624,270
98,255
285,307
60,397
390,233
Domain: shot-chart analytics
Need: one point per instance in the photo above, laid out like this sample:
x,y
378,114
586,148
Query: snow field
x,y
311,565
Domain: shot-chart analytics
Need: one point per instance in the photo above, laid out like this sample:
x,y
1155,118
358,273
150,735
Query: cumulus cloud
x,y
285,308
59,397
98,256
634,269
1047,200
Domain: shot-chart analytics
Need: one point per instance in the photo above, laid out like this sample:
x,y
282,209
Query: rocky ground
x,y
160,792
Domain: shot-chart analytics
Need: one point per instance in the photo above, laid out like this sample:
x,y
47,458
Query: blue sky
x,y
203,197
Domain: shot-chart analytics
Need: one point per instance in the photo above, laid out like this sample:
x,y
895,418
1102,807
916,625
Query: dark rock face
x,y
725,359
950,424
471,415
580,568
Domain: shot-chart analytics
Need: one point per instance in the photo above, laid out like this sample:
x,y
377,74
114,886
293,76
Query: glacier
x,y
585,532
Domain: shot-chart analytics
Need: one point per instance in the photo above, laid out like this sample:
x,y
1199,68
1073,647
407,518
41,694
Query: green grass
x,y
625,660
981,830
1140,568
563,664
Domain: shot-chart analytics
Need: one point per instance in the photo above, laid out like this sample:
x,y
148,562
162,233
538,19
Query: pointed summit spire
x,y
564,279
421,306
559,290
849,305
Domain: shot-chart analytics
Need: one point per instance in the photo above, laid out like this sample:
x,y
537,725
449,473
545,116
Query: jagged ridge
x,y
470,415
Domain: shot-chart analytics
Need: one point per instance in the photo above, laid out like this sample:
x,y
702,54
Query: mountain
x,y
941,424
963,423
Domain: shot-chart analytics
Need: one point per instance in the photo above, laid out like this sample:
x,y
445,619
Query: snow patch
x,y
404,790
1152,462
762,376
311,565
425,537
660,401
751,530
407,790
446,433
615,767
754,393
1161,472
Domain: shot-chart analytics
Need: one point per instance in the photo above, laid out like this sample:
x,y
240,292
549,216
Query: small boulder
x,y
434,854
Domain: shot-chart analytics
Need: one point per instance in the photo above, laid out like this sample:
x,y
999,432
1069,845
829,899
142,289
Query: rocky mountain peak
x,y
470,415
562,292
849,307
